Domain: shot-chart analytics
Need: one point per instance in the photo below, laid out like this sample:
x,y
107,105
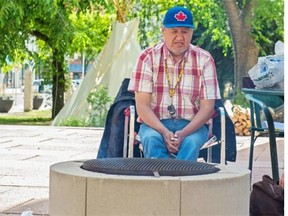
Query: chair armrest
x,y
254,101
216,141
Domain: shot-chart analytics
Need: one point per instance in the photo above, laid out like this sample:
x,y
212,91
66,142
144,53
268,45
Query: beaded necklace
x,y
171,107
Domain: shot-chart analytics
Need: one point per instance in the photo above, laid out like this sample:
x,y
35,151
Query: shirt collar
x,y
167,54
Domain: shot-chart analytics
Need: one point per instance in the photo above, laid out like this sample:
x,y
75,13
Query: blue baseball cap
x,y
178,17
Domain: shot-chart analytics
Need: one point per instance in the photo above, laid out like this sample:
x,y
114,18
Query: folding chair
x,y
119,137
258,106
131,141
260,100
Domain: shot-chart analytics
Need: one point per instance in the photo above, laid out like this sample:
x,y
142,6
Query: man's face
x,y
177,39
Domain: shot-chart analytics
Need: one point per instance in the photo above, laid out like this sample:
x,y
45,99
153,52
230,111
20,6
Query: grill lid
x,y
148,167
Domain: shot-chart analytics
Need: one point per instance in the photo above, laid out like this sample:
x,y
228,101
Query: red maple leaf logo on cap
x,y
180,16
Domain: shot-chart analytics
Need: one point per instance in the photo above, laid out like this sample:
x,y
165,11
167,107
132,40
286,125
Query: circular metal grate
x,y
148,167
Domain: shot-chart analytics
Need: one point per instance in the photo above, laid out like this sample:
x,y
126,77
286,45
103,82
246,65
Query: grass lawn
x,y
35,117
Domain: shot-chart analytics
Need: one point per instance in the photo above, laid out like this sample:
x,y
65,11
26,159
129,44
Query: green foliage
x,y
73,122
91,33
57,29
268,24
100,102
240,99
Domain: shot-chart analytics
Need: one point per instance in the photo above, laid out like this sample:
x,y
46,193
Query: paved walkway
x,y
27,152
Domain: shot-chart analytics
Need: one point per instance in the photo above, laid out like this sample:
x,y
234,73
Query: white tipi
x,y
114,63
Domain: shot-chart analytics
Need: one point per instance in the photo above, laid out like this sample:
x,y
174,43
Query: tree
x,y
245,48
248,19
50,23
268,25
91,32
54,31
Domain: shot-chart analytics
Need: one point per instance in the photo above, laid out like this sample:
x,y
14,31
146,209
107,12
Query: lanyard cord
x,y
171,89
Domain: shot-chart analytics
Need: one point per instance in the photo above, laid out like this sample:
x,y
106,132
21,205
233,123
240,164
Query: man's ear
x,y
162,28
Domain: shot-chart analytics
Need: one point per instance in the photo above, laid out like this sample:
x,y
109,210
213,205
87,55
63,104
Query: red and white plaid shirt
x,y
199,80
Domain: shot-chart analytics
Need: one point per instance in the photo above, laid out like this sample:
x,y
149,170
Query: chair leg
x,y
274,158
125,141
251,154
131,132
209,155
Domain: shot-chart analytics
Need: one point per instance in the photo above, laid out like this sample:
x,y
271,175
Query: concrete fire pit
x,y
75,191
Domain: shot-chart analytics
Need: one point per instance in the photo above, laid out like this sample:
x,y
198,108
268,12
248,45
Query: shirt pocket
x,y
191,87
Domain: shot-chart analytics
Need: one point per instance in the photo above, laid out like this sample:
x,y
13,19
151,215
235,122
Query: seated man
x,y
175,87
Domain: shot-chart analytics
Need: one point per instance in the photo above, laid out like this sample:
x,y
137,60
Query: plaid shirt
x,y
199,80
